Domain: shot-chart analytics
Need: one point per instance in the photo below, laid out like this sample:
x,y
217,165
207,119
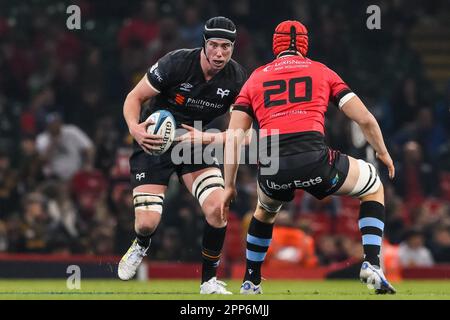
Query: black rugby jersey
x,y
184,92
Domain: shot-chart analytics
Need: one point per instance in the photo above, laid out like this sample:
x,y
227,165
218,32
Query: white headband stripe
x,y
218,38
219,29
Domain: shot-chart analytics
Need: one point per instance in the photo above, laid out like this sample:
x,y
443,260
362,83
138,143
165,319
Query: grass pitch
x,y
189,290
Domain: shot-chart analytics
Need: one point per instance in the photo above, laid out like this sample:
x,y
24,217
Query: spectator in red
x,y
88,188
143,28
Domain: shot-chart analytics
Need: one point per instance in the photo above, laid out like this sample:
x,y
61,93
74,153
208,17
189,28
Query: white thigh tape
x,y
148,201
206,193
368,180
271,208
206,183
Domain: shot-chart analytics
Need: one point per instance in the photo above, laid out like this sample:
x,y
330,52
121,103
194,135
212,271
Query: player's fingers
x,y
148,121
225,212
391,171
183,137
152,140
189,128
230,198
153,137
152,148
151,145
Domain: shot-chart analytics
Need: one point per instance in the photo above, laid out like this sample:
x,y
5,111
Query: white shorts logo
x,y
140,176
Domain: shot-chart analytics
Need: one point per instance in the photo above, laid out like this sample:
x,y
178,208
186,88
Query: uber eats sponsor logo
x,y
294,184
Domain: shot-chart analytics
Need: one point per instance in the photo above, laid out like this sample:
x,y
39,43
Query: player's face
x,y
218,52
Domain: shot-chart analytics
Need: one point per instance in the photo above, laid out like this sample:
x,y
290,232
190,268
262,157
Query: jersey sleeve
x,y
159,74
340,92
243,101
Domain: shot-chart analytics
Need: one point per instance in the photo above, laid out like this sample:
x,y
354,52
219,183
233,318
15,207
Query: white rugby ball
x,y
165,126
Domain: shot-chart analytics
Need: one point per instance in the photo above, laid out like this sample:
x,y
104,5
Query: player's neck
x,y
285,54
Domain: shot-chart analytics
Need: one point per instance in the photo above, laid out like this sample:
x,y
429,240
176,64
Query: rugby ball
x,y
165,126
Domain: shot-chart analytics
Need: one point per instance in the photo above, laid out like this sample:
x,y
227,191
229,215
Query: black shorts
x,y
319,173
148,169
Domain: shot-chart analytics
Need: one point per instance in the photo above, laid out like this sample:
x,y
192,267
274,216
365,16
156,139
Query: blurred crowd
x,y
64,145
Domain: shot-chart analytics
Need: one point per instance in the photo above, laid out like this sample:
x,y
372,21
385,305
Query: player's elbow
x,y
366,120
131,97
137,96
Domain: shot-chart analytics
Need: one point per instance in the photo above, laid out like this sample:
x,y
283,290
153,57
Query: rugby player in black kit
x,y
194,85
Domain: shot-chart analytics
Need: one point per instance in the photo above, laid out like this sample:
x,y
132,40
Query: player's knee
x,y
146,227
213,214
368,182
377,195
266,205
264,215
379,190
148,210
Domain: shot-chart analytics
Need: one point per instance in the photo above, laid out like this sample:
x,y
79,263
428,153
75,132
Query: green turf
x,y
188,289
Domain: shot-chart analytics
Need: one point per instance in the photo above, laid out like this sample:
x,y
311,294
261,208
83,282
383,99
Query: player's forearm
x,y
372,133
220,138
230,172
131,111
217,138
233,145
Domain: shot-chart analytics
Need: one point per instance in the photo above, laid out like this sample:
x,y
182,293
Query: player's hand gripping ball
x,y
165,126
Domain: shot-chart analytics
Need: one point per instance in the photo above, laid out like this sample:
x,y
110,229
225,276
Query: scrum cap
x,y
219,28
290,36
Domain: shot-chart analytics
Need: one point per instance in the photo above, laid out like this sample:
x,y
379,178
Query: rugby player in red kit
x,y
288,98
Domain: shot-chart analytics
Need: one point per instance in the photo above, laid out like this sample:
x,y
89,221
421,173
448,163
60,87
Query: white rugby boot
x,y
249,287
214,286
130,262
374,277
